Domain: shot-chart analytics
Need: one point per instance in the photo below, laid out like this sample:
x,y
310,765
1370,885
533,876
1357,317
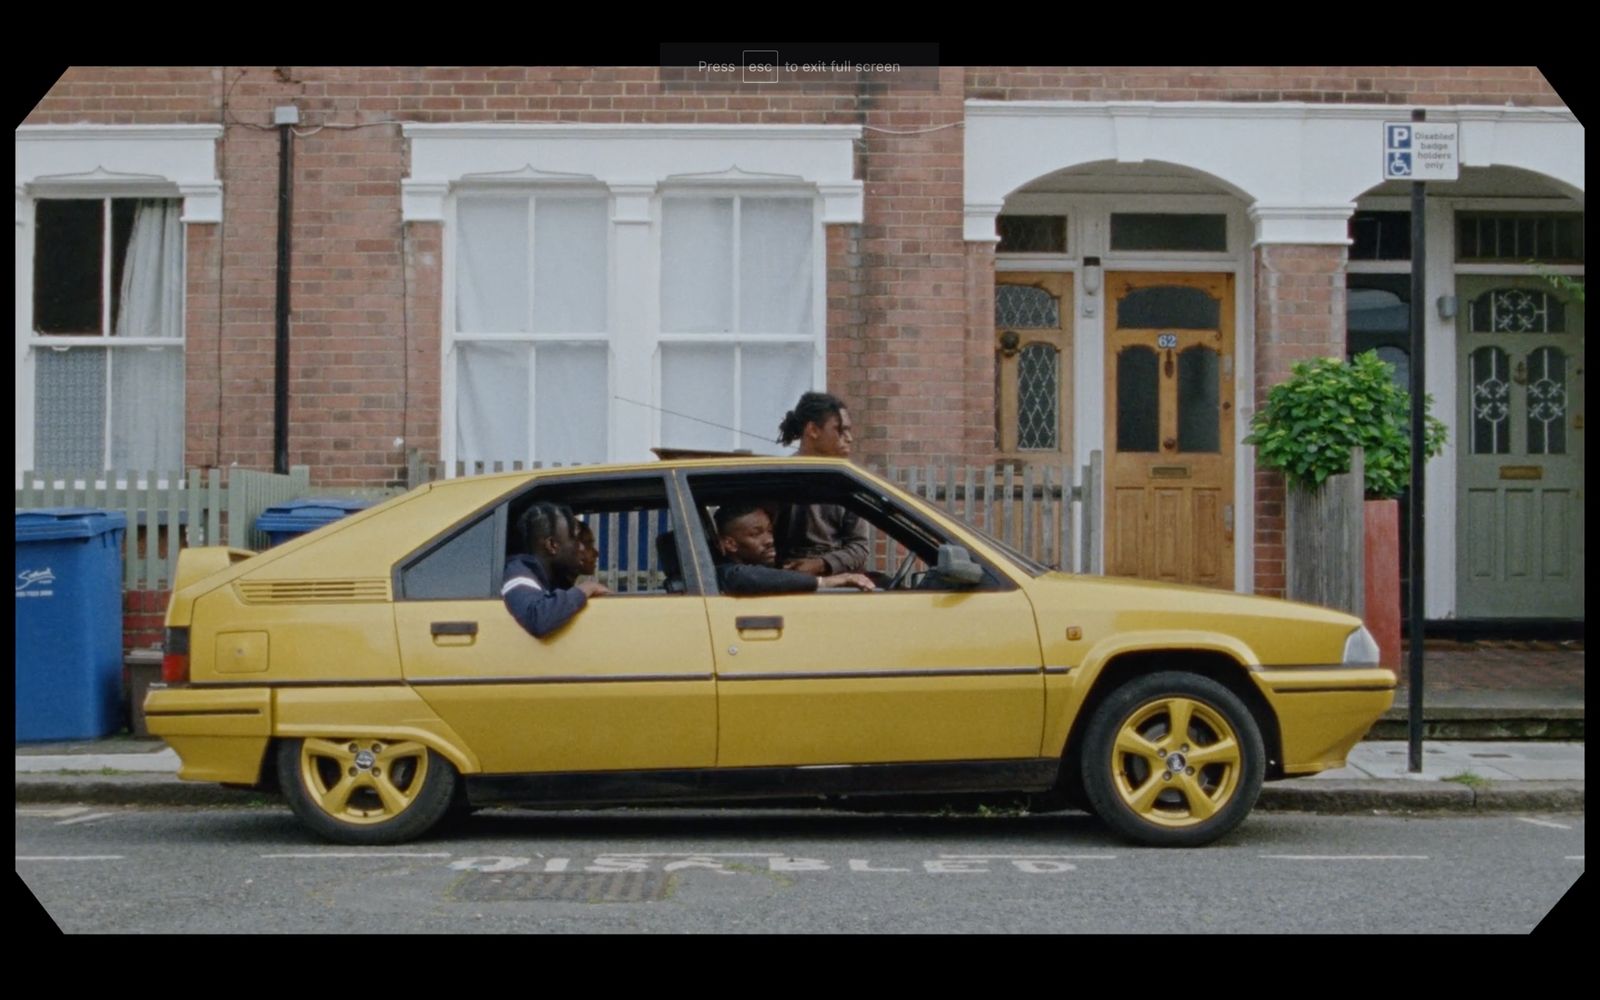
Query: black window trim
x,y
892,508
499,509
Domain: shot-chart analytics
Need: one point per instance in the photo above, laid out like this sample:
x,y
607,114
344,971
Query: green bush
x,y
1327,408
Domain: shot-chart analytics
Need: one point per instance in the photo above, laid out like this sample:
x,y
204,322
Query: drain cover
x,y
609,887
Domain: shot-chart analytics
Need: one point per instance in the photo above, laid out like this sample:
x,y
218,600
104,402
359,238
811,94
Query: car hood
x,y
1256,630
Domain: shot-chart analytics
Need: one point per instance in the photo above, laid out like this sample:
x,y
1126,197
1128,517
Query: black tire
x,y
366,791
1172,793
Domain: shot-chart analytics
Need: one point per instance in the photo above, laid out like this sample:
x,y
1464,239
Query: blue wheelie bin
x,y
69,623
284,521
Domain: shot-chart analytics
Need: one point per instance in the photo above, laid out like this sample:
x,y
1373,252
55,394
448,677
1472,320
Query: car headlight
x,y
1361,649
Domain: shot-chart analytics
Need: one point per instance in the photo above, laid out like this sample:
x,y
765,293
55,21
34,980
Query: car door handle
x,y
750,623
455,628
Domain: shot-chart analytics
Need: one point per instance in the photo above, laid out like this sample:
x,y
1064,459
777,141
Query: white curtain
x,y
775,265
771,377
571,402
147,383
492,402
697,265
492,265
569,265
561,290
697,396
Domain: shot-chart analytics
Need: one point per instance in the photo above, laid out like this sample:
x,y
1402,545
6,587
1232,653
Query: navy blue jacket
x,y
538,606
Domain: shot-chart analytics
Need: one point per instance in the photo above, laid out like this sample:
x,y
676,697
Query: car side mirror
x,y
956,566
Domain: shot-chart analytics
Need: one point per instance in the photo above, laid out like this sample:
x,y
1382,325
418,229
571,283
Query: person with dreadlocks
x,y
541,588
820,539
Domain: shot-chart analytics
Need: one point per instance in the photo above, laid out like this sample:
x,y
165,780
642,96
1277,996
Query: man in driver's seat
x,y
749,556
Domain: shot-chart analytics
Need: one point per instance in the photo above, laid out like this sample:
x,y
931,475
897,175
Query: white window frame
x,y
639,164
452,336
96,162
816,337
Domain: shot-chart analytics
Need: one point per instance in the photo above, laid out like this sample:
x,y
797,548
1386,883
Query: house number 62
x,y
1166,340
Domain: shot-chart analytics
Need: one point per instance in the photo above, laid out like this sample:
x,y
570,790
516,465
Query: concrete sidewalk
x,y
1456,776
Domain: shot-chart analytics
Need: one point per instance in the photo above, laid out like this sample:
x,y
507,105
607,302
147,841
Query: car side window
x,y
901,547
625,525
465,567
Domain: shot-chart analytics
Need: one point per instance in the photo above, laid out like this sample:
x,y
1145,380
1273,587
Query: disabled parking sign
x,y
1421,151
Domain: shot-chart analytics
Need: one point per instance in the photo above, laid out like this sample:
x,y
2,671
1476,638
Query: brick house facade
x,y
907,257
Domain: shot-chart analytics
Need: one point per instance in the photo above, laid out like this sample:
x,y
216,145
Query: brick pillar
x,y
202,359
914,342
846,323
979,415
424,288
1300,315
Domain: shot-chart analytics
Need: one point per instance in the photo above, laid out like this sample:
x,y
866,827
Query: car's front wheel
x,y
1172,760
362,790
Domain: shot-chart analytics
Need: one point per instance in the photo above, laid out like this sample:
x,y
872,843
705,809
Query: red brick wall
x,y
917,401
366,290
144,613
979,431
1300,315
1436,85
909,337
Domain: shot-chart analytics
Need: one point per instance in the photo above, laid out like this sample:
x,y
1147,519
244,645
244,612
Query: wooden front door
x,y
1519,479
1169,427
1033,366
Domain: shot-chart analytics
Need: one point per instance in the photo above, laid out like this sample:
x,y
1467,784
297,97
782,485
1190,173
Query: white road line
x,y
69,857
1545,822
52,812
1346,857
1573,857
1028,857
84,819
357,854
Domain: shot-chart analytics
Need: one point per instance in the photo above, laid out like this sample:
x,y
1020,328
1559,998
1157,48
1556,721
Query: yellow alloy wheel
x,y
1176,762
363,781
365,790
1172,759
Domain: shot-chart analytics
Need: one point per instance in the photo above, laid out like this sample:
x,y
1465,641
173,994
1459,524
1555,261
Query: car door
x,y
626,685
852,677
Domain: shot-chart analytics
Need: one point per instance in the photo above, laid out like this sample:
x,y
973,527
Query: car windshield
x,y
1032,567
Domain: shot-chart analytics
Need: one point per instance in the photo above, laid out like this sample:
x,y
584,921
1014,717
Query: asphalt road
x,y
254,870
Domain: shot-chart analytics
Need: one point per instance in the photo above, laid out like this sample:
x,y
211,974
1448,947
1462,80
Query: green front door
x,y
1519,440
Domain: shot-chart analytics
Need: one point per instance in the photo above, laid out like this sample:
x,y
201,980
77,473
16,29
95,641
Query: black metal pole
x,y
280,384
1419,316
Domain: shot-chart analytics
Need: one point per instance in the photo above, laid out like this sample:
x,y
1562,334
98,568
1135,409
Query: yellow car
x,y
372,671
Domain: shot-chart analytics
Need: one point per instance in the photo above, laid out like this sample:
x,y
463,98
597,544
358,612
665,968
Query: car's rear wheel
x,y
362,790
1172,760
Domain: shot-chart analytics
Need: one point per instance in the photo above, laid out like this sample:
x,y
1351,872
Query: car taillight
x,y
175,661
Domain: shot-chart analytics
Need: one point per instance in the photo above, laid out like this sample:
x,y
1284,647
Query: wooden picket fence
x,y
166,511
1043,511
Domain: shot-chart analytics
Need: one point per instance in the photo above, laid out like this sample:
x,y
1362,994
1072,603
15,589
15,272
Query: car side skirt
x,y
736,784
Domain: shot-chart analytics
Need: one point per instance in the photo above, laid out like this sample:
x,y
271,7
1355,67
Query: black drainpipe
x,y
286,119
